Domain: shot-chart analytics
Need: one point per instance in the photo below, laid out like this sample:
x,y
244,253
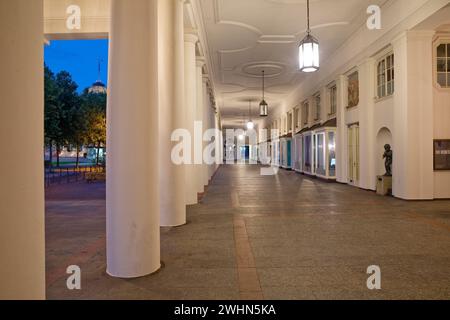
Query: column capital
x,y
421,34
342,78
190,37
401,36
370,60
200,61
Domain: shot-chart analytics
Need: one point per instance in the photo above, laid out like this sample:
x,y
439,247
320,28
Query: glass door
x,y
320,166
307,158
288,149
353,154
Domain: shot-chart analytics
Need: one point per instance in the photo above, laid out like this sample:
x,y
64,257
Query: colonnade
x,y
156,85
22,238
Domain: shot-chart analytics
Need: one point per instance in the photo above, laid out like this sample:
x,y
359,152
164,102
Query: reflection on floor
x,y
262,237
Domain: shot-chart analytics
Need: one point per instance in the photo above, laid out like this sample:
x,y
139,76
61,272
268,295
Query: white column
x,y
219,147
206,104
171,110
22,239
220,140
341,134
367,144
200,110
132,199
190,41
412,170
211,125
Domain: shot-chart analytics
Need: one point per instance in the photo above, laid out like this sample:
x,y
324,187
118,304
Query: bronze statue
x,y
388,162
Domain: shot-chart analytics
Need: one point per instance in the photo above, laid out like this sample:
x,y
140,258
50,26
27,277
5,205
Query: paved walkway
x,y
258,237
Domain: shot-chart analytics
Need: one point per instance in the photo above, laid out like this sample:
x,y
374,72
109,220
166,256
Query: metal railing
x,y
64,175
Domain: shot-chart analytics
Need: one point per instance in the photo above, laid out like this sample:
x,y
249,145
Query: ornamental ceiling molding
x,y
267,38
242,44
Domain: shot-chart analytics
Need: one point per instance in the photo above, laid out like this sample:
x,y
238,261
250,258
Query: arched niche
x,y
384,137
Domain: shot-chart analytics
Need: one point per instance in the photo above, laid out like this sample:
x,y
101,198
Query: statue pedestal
x,y
384,185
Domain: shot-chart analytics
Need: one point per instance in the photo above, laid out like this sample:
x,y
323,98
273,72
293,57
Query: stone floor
x,y
262,237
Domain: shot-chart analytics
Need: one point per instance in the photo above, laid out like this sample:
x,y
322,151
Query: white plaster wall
x,y
413,117
383,115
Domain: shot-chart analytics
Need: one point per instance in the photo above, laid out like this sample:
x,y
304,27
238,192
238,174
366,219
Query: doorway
x,y
244,153
353,154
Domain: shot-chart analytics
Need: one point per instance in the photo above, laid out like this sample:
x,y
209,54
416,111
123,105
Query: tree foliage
x,y
70,118
52,113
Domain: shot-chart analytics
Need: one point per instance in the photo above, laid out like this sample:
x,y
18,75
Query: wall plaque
x,y
441,155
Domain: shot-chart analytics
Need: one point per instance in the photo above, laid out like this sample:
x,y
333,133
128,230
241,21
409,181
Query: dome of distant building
x,y
98,87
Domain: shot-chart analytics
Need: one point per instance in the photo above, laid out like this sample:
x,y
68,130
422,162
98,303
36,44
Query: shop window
x,y
320,158
296,111
331,154
307,153
443,65
385,76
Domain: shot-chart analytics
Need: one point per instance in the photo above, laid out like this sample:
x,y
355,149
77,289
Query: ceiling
x,y
439,21
245,37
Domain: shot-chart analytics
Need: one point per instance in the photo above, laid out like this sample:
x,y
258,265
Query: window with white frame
x,y
443,65
289,122
333,100
296,122
305,113
385,76
318,106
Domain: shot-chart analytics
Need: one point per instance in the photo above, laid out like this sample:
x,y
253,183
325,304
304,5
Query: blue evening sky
x,y
79,58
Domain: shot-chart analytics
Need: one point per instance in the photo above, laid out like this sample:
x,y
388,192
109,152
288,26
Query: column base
x,y
111,274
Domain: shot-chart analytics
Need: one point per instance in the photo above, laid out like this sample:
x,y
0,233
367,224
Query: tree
x,y
94,105
71,118
68,101
78,132
97,130
52,112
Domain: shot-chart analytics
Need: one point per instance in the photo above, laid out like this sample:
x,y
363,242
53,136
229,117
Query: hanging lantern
x,y
263,106
263,109
308,51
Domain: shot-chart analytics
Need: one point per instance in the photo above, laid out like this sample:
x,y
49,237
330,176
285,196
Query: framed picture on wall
x,y
353,90
441,151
